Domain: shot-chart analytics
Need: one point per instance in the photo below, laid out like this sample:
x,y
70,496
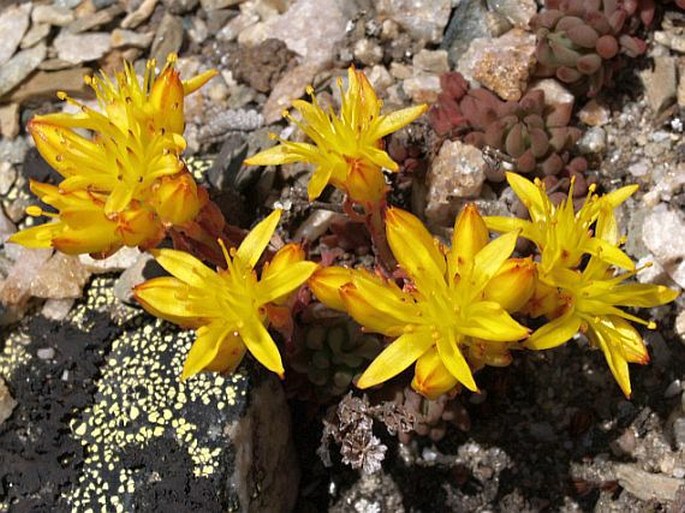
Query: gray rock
x,y
223,121
168,37
45,353
43,84
422,88
503,64
125,38
421,19
680,326
180,6
95,20
230,432
142,13
431,61
518,12
13,24
663,233
7,402
468,22
132,276
315,42
57,309
52,15
660,83
646,485
372,493
13,151
458,171
36,33
594,113
119,261
214,5
593,141
15,290
20,66
8,175
9,120
78,48
289,87
368,52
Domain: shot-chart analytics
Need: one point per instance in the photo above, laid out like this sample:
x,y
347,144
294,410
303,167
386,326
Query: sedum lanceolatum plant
x,y
347,150
448,310
127,184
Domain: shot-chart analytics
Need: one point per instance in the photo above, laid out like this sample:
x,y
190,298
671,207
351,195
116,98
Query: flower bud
x,y
176,199
513,285
431,377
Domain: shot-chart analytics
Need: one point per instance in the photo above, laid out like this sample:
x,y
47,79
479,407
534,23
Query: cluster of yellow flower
x,y
449,309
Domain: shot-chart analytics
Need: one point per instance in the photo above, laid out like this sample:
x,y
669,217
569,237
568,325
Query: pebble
x,y
646,485
42,85
594,113
368,52
13,24
119,261
663,233
431,61
423,20
288,88
213,5
13,151
380,78
57,309
9,120
14,291
458,171
671,39
180,6
679,432
593,141
20,66
680,92
8,175
315,42
46,353
52,15
674,389
423,88
517,12
503,64
469,21
78,48
316,225
95,20
660,83
168,37
132,276
62,276
35,34
142,13
7,402
123,37
222,121
680,326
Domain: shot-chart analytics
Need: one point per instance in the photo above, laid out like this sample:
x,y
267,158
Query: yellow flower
x,y
588,301
229,308
562,235
442,311
347,149
131,163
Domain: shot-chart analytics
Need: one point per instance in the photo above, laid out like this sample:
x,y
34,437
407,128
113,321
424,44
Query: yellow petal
x,y
377,307
455,362
417,252
600,336
318,182
469,237
489,321
285,281
261,345
615,198
195,83
166,297
610,253
274,156
489,260
532,196
284,257
554,333
326,283
37,236
256,241
186,268
431,377
399,355
205,348
640,295
395,120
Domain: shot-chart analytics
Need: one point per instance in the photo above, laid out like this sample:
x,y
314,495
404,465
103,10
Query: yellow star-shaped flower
x,y
445,309
230,307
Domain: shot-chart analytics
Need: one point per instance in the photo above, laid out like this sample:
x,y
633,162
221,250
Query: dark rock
x,y
261,66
